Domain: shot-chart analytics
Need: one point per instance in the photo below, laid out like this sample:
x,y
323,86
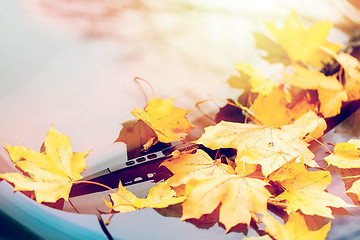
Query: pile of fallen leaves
x,y
272,184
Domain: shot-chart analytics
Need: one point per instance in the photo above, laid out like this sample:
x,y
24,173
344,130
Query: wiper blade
x,y
136,170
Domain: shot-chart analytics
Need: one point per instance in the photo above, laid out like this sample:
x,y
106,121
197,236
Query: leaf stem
x,y
148,83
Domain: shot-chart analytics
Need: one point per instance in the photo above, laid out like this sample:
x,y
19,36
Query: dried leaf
x,y
168,122
197,165
331,92
355,189
259,83
294,228
301,43
160,196
305,190
269,147
345,155
137,135
351,67
273,109
308,127
240,198
50,173
275,53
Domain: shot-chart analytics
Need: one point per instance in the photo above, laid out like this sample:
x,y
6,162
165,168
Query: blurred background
x,y
72,62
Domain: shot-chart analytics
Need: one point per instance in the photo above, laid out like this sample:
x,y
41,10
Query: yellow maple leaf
x,y
345,155
351,67
354,189
294,228
301,43
168,122
273,110
239,198
197,165
305,190
345,160
275,52
137,135
269,147
258,82
331,92
51,173
160,196
308,127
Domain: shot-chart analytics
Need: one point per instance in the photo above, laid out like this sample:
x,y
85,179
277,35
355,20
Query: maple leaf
x,y
269,147
168,122
351,67
258,82
275,53
50,173
239,198
305,190
137,135
331,92
345,155
197,165
273,110
345,160
354,189
160,196
308,127
294,228
301,43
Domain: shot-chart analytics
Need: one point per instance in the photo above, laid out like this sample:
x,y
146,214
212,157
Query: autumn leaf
x,y
160,196
258,82
50,173
137,136
294,228
351,67
308,127
302,43
345,155
273,109
197,165
269,147
240,198
354,189
168,122
305,190
331,92
123,200
275,53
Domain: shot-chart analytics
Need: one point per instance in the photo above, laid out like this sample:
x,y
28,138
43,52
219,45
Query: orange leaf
x,y
168,122
51,172
273,109
137,135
